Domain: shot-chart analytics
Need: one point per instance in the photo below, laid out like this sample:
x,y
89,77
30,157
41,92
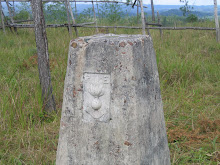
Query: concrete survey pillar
x,y
112,110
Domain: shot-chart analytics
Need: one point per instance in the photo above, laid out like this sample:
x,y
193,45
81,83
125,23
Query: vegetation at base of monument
x,y
188,64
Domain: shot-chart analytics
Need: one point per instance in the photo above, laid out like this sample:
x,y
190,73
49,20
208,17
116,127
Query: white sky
x,y
177,2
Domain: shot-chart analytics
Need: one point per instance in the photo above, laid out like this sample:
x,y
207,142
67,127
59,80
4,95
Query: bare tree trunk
x,y
158,17
137,13
2,17
142,18
75,9
97,6
43,56
148,30
152,8
93,8
6,22
73,19
11,15
217,21
68,18
13,9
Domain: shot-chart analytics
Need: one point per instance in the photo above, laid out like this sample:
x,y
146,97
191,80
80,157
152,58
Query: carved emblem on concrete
x,y
96,96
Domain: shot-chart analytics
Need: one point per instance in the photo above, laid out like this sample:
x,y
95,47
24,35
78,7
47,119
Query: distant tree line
x,y
106,13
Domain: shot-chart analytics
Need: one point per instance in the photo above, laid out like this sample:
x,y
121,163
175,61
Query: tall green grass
x,y
188,63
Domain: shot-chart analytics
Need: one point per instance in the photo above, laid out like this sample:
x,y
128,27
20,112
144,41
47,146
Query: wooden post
x,y
6,22
152,8
106,30
74,22
115,30
137,13
142,18
68,18
97,6
2,17
148,30
158,16
93,8
13,8
75,10
43,56
11,15
217,21
9,11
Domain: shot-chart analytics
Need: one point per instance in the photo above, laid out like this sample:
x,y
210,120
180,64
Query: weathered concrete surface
x,y
112,110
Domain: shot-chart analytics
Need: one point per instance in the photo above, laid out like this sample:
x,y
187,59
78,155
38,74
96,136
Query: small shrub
x,y
22,15
112,12
192,18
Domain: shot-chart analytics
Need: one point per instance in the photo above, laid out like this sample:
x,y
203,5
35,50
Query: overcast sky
x,y
177,2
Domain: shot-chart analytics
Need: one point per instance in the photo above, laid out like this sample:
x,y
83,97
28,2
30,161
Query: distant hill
x,y
177,12
165,10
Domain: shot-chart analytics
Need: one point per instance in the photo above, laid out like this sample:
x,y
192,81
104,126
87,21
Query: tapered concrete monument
x,y
112,110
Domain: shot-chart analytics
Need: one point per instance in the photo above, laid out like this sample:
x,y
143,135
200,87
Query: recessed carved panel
x,y
96,96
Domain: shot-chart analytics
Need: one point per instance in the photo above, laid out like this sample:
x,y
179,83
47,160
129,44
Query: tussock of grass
x,y
188,63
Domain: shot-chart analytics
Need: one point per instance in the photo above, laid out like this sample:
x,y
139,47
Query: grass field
x,y
188,63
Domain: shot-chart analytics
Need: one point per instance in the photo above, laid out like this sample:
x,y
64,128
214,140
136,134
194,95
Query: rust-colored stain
x,y
74,44
74,92
63,124
127,143
123,52
122,44
80,40
80,89
97,145
130,43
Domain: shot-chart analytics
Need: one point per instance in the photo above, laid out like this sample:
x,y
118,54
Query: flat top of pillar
x,y
112,37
